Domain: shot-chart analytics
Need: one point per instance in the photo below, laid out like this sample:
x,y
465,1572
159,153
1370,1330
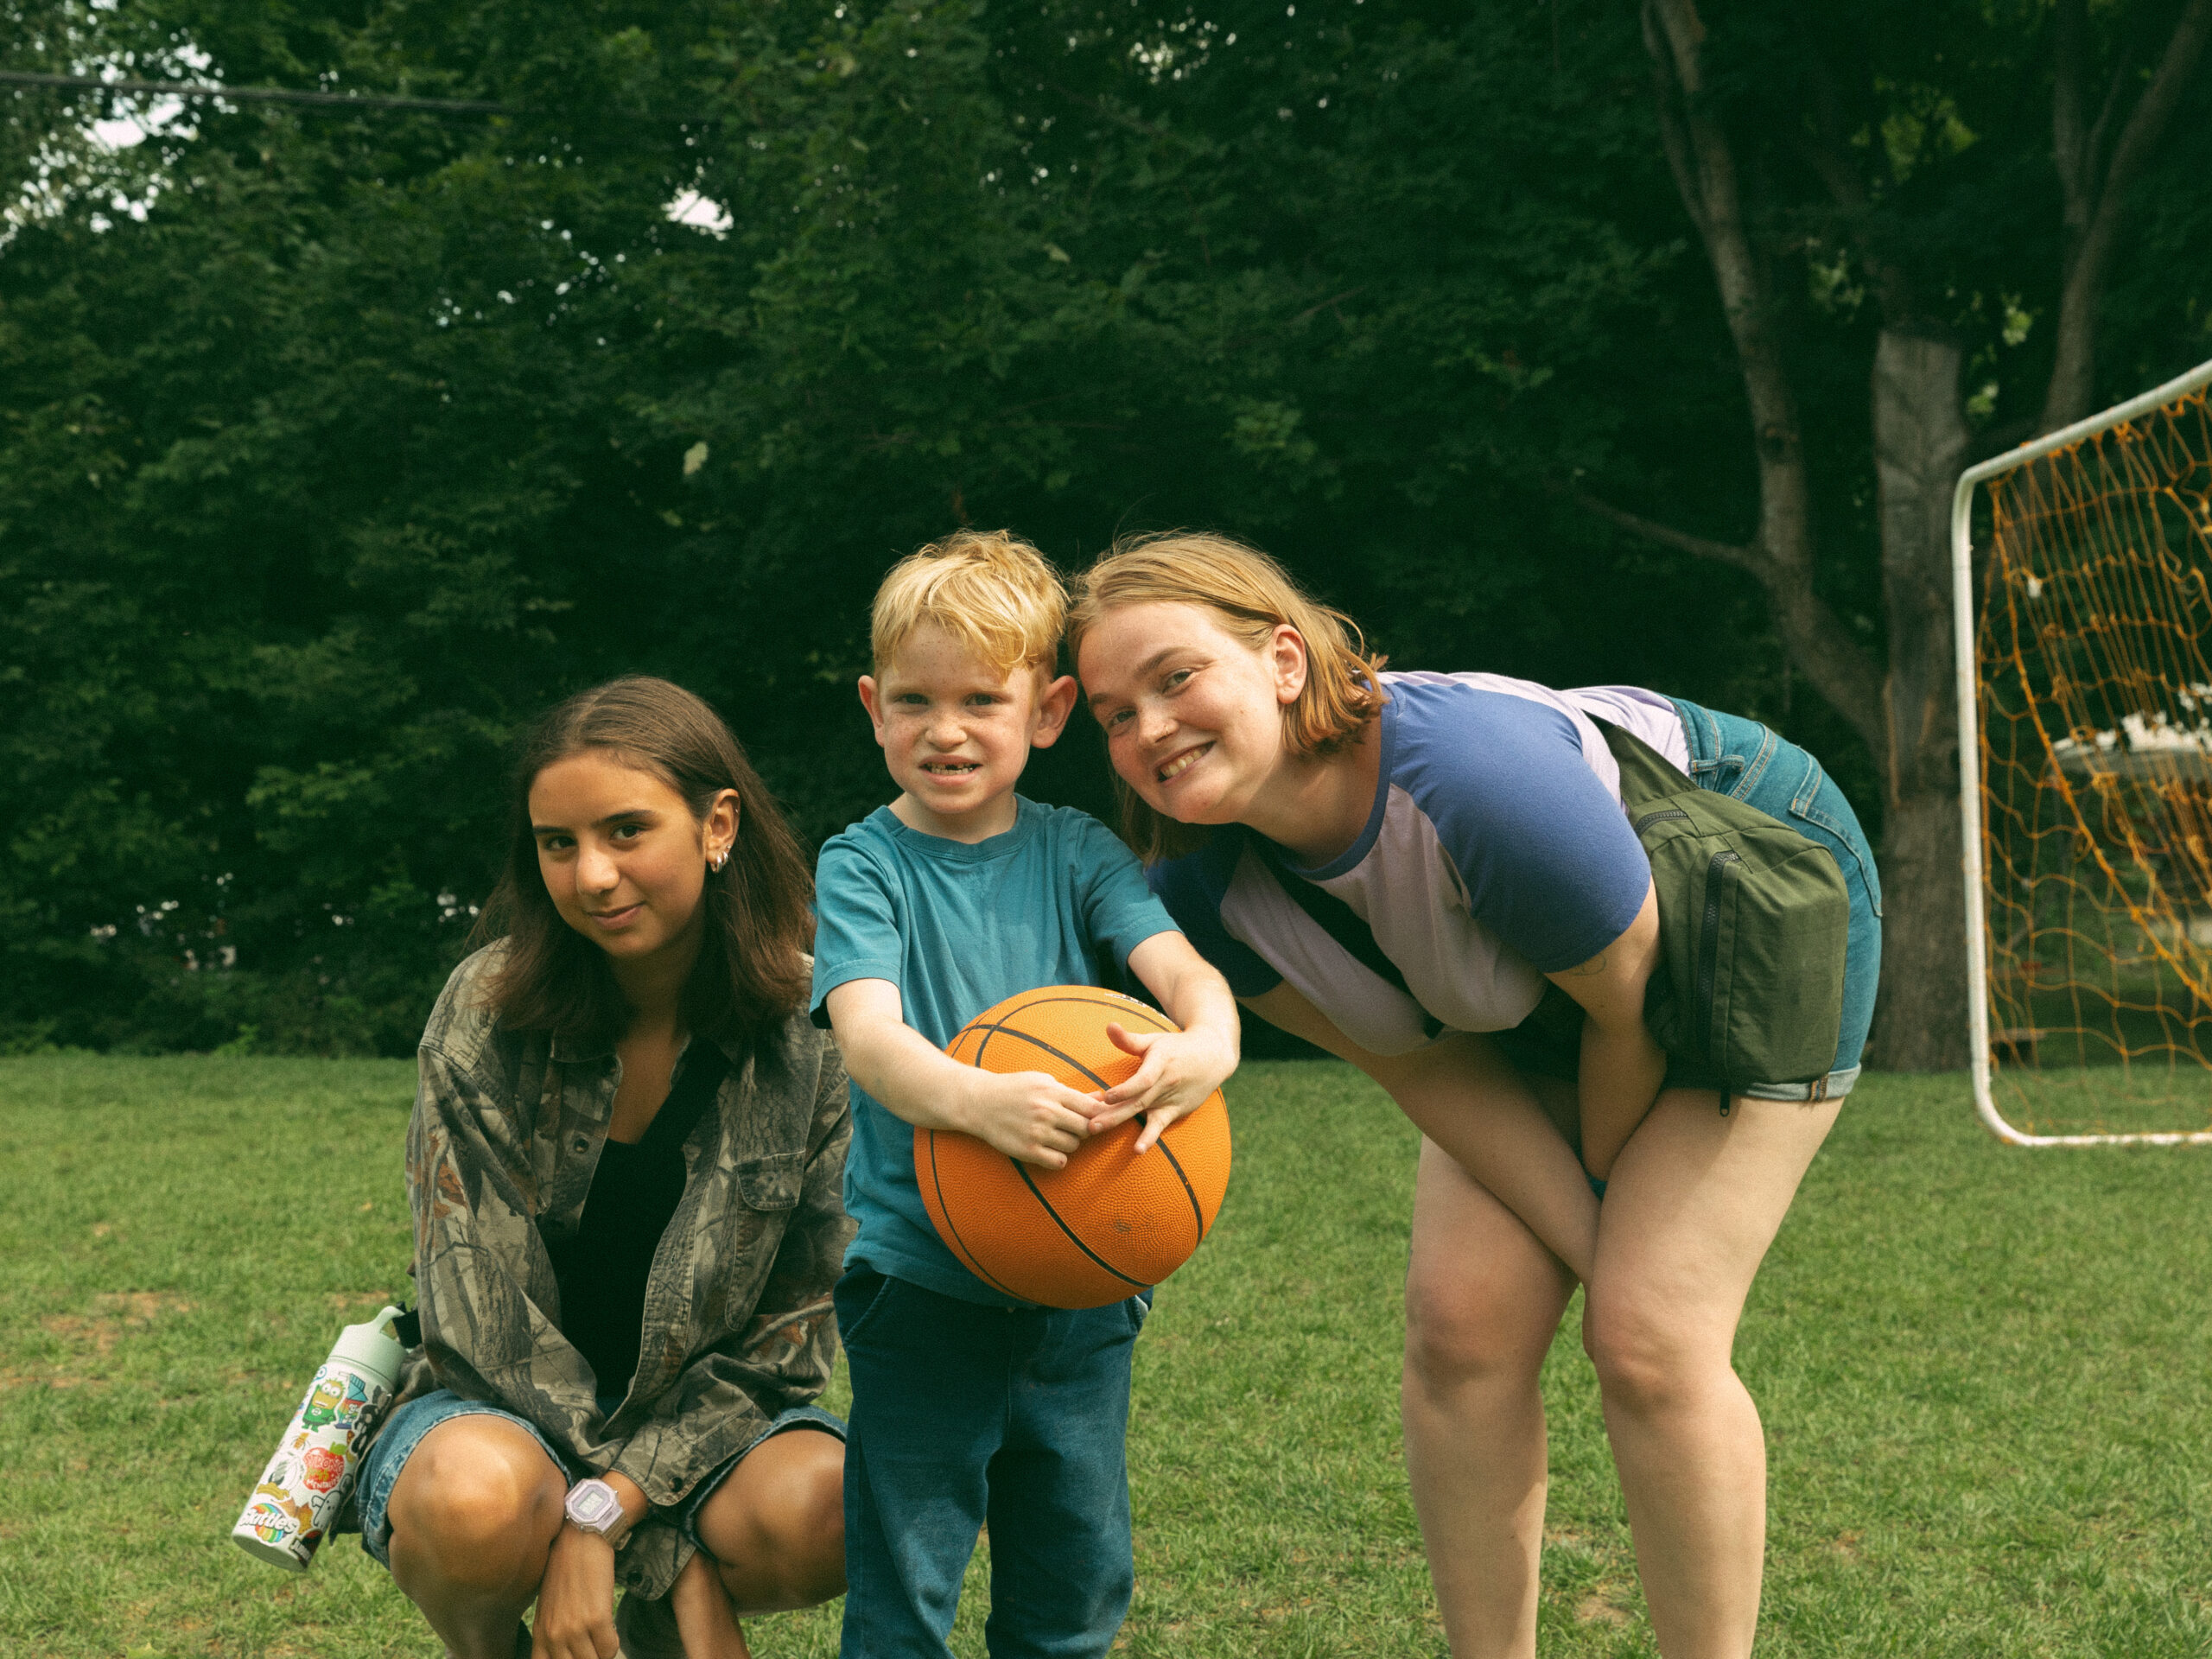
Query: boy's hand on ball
x,y
1028,1115
1179,1071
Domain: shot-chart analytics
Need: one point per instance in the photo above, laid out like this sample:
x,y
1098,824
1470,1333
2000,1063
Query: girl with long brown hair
x,y
624,1165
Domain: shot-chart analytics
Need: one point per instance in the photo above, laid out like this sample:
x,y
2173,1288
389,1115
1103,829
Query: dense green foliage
x,y
1983,1374
377,431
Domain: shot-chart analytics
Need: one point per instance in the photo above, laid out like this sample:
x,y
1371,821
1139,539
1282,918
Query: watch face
x,y
593,1506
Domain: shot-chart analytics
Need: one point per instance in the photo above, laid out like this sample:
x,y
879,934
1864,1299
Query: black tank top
x,y
603,1268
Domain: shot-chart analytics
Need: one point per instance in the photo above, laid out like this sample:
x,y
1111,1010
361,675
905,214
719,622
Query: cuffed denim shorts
x,y
389,1451
1749,762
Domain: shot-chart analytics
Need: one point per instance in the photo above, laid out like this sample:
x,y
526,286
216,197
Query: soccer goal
x,y
2085,761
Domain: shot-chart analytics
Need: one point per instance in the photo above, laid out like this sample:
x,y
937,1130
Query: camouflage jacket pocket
x,y
771,1181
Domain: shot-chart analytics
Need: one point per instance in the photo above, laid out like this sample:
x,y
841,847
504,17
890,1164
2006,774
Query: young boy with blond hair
x,y
969,1407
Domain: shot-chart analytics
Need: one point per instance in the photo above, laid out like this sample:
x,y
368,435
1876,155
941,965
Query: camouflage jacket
x,y
505,1134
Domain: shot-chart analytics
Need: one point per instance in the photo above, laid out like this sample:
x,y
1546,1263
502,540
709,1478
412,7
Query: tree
x,y
381,430
1870,154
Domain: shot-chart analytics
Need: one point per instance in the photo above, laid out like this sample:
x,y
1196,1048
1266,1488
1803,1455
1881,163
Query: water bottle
x,y
307,1482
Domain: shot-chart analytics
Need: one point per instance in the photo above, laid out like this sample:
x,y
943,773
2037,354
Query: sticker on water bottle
x,y
307,1482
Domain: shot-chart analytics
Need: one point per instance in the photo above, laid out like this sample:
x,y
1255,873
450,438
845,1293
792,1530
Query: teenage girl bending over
x,y
1274,776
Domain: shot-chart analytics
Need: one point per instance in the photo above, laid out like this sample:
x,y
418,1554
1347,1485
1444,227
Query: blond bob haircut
x,y
1250,595
988,588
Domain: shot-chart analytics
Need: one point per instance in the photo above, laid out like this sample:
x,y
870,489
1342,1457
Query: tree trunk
x,y
1920,1021
1921,439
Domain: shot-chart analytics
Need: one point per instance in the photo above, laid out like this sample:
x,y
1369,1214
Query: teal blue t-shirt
x,y
958,927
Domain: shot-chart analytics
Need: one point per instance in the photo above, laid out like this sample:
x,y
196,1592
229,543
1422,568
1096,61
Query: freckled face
x,y
957,732
1192,714
623,859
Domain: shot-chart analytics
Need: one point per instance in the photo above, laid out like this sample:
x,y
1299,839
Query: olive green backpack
x,y
1753,923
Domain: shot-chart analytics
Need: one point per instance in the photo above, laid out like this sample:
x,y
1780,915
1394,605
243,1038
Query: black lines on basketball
x,y
1198,1210
1129,1011
1128,1008
967,1257
1121,1214
1021,1170
1035,1042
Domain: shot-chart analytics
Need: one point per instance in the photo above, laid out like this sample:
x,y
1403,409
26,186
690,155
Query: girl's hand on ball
x,y
1180,1071
1027,1116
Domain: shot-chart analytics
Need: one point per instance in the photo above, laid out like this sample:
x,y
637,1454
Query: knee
x,y
809,1528
1645,1365
780,1537
477,1508
1455,1338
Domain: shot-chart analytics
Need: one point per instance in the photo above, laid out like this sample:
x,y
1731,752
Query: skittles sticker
x,y
269,1523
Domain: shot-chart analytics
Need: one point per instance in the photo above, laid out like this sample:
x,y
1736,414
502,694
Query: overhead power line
x,y
257,94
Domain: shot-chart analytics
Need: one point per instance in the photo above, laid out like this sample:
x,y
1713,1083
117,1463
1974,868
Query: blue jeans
x,y
1746,761
388,1454
964,1414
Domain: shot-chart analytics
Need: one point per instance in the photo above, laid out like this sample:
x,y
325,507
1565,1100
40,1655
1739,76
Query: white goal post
x,y
1971,758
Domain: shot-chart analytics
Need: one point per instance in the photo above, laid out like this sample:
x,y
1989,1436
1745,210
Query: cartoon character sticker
x,y
326,1400
321,1467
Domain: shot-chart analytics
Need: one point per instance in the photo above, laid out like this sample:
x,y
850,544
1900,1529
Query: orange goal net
x,y
2090,787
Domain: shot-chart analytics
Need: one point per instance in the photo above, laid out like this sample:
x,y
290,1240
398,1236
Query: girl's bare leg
x,y
474,1515
1694,1200
776,1527
1482,1299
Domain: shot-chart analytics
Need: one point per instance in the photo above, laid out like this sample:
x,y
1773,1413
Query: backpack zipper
x,y
1709,947
1650,818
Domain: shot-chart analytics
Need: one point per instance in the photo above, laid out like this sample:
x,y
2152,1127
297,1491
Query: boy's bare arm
x,y
1180,1068
1026,1114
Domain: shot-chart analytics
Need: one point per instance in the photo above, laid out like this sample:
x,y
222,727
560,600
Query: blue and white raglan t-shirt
x,y
1496,852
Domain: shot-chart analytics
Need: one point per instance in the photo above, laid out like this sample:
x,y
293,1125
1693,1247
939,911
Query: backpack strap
x,y
1646,774
1344,924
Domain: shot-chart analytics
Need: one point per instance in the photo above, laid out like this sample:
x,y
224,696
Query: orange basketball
x,y
1110,1222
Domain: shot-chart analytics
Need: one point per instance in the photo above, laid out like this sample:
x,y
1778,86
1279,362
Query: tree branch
x,y
2148,125
1830,159
1838,669
1323,305
1101,107
2069,43
2073,377
1742,557
1673,137
1781,555
2122,73
1675,36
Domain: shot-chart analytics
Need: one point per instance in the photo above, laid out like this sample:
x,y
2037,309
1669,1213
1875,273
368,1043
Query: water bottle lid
x,y
372,1347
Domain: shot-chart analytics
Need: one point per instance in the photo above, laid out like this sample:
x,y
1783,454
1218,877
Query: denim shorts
x,y
389,1451
1748,762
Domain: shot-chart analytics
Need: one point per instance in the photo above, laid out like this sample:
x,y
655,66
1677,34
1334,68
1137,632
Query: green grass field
x,y
1986,1376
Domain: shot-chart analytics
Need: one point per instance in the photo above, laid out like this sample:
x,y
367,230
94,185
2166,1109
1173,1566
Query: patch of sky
x,y
701,213
104,159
